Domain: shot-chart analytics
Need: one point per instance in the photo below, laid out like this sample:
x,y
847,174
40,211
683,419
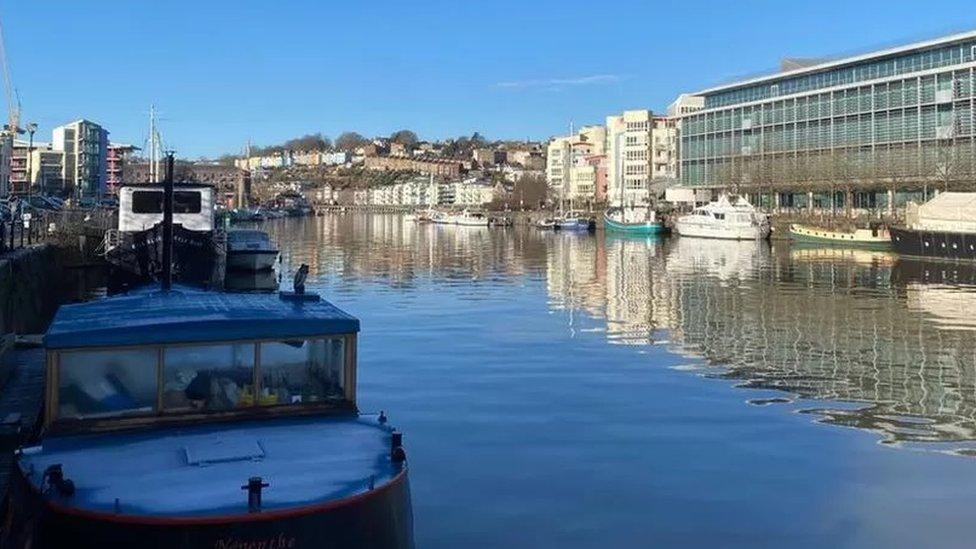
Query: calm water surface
x,y
589,391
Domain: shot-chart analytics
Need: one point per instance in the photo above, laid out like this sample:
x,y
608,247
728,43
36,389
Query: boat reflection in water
x,y
863,338
251,281
885,350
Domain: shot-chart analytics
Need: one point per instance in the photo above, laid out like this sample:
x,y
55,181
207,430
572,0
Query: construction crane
x,y
13,99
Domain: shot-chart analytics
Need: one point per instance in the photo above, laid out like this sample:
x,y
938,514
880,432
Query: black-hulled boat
x,y
176,417
942,228
134,250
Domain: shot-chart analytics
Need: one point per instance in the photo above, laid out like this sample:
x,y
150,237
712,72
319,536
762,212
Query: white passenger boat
x,y
732,218
470,218
250,250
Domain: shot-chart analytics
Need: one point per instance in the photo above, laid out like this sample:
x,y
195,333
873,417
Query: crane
x,y
13,99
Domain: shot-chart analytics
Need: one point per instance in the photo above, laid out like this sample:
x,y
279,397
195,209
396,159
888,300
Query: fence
x,y
54,226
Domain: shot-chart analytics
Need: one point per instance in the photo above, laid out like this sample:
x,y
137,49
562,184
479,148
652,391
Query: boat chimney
x,y
167,277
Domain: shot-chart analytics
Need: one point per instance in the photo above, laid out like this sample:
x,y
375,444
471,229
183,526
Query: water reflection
x,y
882,344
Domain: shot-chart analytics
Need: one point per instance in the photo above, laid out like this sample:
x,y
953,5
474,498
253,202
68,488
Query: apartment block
x,y
85,166
641,151
569,173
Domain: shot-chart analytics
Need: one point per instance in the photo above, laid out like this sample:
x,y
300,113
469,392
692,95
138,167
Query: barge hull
x,y
378,519
935,244
138,257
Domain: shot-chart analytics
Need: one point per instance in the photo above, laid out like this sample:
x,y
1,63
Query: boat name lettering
x,y
281,541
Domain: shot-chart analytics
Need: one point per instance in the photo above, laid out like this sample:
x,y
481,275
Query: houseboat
x,y
134,249
875,237
250,250
731,218
943,228
189,418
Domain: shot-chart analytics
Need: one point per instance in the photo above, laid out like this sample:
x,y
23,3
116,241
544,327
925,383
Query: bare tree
x,y
348,141
404,137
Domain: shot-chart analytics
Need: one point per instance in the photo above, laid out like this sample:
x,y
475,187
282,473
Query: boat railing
x,y
110,241
220,240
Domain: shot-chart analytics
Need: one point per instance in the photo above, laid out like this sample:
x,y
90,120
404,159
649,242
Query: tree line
x,y
350,140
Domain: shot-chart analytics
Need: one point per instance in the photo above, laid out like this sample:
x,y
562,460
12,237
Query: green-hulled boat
x,y
876,238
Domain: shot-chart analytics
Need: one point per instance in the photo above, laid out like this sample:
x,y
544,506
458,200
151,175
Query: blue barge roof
x,y
196,472
185,315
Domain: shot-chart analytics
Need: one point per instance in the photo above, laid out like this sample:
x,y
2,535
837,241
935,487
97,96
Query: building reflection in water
x,y
839,326
884,344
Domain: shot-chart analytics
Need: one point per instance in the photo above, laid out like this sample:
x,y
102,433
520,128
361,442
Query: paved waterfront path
x,y
22,395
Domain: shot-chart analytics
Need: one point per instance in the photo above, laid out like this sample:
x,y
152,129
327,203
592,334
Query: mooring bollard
x,y
254,486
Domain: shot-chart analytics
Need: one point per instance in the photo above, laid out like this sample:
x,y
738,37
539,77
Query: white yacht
x,y
469,218
250,250
729,217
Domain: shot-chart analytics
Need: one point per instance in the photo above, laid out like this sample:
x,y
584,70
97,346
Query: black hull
x,y
934,244
380,519
910,270
137,259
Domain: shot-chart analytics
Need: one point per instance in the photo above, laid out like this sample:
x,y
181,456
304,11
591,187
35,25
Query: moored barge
x,y
942,228
134,250
186,418
875,237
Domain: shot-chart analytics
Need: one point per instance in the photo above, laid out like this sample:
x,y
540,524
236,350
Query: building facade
x,y
569,175
40,166
6,156
232,184
893,120
422,165
115,161
19,177
85,166
641,150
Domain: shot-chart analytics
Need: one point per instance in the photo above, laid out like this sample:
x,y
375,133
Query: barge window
x,y
116,382
299,371
208,377
151,202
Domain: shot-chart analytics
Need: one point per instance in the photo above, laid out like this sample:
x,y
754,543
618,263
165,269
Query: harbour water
x,y
576,390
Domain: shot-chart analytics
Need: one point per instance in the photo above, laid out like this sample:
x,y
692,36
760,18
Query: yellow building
x,y
568,174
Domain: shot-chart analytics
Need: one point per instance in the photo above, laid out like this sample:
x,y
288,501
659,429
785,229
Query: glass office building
x,y
876,125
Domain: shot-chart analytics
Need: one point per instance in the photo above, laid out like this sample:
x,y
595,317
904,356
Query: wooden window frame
x,y
159,416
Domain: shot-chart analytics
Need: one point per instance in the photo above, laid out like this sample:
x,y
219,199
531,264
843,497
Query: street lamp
x,y
31,128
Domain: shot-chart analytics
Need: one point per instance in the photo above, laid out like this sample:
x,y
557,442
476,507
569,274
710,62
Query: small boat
x,y
469,218
943,228
575,221
250,250
876,237
548,223
423,216
501,221
633,221
731,218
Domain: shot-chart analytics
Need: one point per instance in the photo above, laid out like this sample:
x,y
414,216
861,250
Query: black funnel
x,y
167,276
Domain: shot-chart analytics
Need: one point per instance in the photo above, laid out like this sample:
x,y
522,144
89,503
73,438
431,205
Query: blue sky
x,y
223,71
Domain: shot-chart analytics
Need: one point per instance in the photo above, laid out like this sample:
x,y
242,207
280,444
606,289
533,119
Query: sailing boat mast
x,y
155,146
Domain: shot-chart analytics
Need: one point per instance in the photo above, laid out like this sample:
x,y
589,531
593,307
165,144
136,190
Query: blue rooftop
x,y
185,315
